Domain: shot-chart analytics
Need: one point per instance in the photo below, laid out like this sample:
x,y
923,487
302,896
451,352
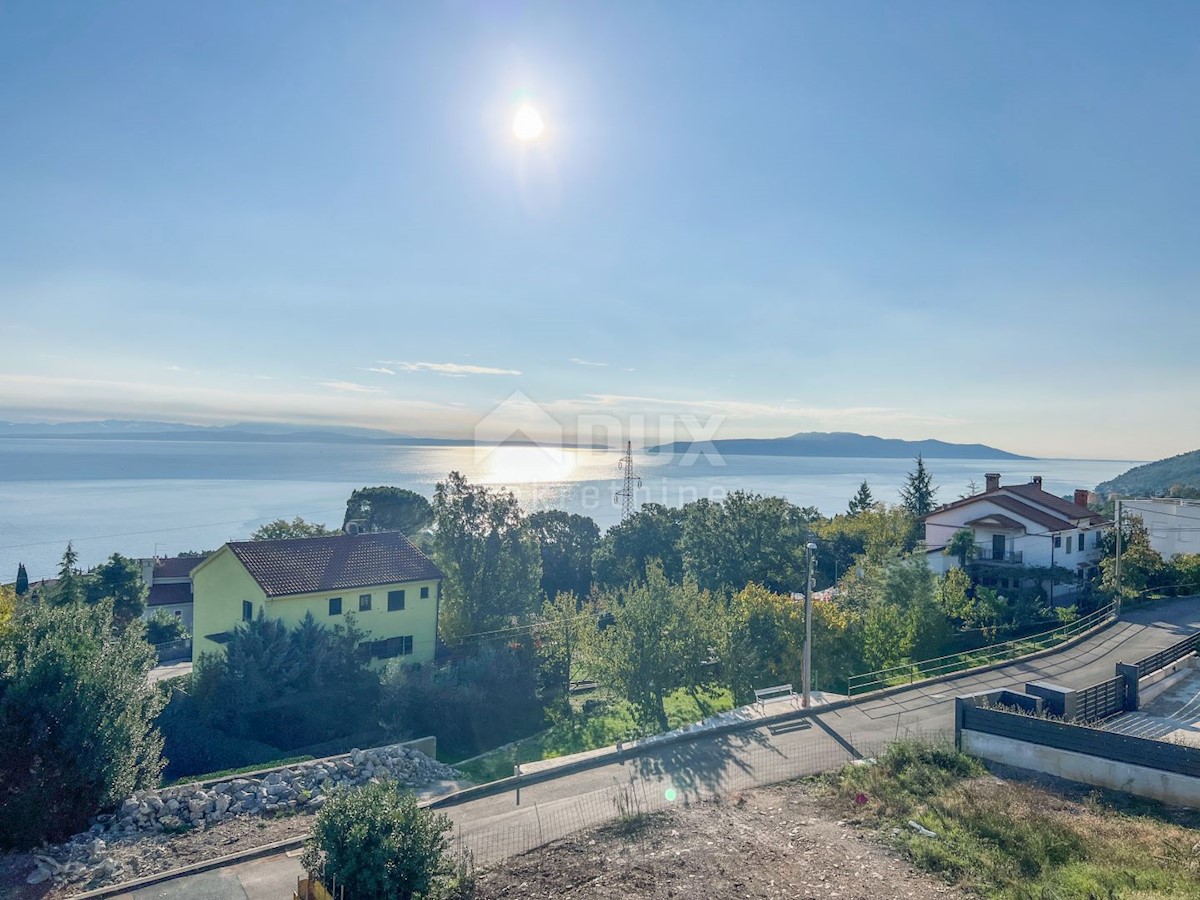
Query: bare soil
x,y
776,842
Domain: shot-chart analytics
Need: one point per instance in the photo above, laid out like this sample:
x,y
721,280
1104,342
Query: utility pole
x,y
1117,564
628,493
806,675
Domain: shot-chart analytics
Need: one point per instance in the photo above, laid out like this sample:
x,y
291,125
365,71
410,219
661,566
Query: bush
x,y
76,719
379,845
163,628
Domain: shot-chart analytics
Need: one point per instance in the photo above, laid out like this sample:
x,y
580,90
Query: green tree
x,y
389,509
8,605
764,642
962,546
22,580
69,588
118,579
568,543
1142,567
163,628
745,539
658,642
76,719
918,494
491,561
559,634
379,845
862,501
652,534
282,529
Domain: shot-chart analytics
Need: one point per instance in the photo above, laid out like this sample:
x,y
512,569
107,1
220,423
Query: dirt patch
x,y
778,842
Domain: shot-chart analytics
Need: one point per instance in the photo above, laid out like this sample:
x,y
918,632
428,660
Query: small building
x,y
170,586
389,585
1018,526
1173,524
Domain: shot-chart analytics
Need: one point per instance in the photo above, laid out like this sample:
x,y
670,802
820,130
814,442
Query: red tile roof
x,y
1065,508
176,566
340,562
170,594
998,520
1062,518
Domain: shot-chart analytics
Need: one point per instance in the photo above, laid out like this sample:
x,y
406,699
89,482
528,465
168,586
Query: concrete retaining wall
x,y
1168,787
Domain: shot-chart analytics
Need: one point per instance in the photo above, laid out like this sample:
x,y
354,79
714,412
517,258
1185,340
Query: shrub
x,y
76,719
378,844
163,628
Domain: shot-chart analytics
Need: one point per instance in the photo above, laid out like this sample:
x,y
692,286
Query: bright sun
x,y
527,123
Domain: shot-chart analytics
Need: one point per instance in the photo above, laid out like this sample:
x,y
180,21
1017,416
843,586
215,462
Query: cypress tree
x,y
22,580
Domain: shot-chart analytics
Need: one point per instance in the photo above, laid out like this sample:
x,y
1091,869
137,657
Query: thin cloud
x,y
451,370
349,386
585,362
173,368
379,370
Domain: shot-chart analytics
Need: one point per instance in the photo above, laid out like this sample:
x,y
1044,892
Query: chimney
x,y
1037,482
993,481
1082,496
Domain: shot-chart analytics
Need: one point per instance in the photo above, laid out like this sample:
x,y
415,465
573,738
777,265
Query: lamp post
x,y
806,676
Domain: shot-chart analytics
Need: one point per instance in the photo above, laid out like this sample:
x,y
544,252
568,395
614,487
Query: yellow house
x,y
391,587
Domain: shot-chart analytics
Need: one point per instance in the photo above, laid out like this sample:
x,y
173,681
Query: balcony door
x,y
998,541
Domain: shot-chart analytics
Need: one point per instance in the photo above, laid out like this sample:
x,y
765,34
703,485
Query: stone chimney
x,y
1037,482
1082,496
992,479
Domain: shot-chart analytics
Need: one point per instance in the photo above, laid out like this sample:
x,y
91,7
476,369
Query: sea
x,y
157,498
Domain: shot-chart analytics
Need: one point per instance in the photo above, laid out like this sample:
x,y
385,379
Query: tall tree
x,y
118,579
918,493
22,585
568,543
68,589
76,719
557,640
388,509
282,529
862,501
490,559
651,534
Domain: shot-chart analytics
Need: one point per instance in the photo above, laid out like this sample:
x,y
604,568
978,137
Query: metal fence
x,y
909,673
671,778
174,651
1164,658
1101,700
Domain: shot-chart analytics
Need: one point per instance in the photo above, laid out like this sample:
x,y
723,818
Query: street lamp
x,y
807,673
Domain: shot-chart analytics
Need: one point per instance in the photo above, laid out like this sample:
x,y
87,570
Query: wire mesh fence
x,y
669,778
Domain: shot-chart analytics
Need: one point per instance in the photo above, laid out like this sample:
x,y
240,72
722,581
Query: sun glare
x,y
527,123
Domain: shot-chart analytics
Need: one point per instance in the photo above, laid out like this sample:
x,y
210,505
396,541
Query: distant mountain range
x,y
1156,479
844,444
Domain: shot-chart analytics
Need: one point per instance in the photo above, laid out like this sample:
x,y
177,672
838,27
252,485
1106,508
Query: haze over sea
x,y
142,498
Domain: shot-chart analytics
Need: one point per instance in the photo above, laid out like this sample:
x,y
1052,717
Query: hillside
x,y
1157,479
844,444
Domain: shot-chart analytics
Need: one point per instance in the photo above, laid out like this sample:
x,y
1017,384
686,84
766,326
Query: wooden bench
x,y
779,692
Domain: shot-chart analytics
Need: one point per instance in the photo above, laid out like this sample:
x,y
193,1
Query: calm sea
x,y
148,497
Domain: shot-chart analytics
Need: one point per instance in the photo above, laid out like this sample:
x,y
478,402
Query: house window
x,y
1070,538
364,602
424,593
247,611
1057,541
1097,540
335,606
179,613
389,648
395,601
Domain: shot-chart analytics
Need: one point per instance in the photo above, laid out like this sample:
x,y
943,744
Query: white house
x,y
170,584
1019,525
1173,524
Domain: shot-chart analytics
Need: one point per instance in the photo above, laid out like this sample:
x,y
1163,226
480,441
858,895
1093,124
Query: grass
x,y
606,722
1018,842
257,767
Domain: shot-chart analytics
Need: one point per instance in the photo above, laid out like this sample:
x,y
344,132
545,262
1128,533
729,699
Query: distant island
x,y
1177,476
843,444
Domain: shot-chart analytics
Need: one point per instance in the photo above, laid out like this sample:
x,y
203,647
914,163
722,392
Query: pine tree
x,y
862,501
917,495
69,588
22,580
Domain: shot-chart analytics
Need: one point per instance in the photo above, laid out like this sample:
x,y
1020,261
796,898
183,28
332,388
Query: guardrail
x,y
174,651
1163,658
910,673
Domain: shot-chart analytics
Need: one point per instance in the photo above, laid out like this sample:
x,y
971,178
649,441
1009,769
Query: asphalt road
x,y
495,827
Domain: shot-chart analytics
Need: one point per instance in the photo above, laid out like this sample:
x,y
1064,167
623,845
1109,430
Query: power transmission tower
x,y
628,492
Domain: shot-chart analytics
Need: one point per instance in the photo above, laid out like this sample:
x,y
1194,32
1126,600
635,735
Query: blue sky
x,y
969,221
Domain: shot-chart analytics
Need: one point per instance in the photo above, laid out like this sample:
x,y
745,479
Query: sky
x,y
959,220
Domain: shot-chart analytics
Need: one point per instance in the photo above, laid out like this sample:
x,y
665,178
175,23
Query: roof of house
x,y
170,594
1057,514
998,520
176,566
339,562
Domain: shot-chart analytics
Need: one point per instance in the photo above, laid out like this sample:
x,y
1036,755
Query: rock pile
x,y
299,787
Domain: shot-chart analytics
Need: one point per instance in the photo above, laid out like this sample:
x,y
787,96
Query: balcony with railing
x,y
989,554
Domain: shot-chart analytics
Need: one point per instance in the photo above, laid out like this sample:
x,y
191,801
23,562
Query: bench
x,y
779,692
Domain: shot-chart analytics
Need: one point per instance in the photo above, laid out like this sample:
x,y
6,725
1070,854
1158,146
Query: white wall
x,y
1174,525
